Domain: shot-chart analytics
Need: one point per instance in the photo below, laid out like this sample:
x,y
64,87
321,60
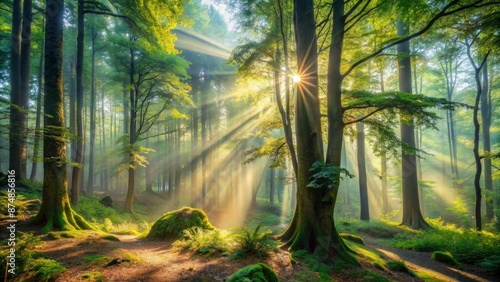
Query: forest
x,y
250,140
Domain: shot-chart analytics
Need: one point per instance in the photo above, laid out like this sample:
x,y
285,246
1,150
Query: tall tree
x,y
475,119
412,215
363,185
16,110
56,211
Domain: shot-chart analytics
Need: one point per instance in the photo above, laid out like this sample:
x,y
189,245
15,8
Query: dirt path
x,y
149,261
422,261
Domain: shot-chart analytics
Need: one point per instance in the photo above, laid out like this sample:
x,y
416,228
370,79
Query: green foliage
x,y
29,262
45,269
255,273
400,266
205,241
461,212
377,229
172,224
326,175
90,209
445,257
254,242
491,263
268,215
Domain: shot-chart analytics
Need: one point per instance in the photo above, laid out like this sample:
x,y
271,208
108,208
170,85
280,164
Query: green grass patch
x,y
93,276
44,269
97,259
371,256
206,242
56,235
323,271
465,245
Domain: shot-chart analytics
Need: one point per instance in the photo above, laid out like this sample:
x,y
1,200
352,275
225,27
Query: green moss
x,y
56,235
400,266
171,224
445,257
98,259
255,273
93,276
353,238
45,269
110,237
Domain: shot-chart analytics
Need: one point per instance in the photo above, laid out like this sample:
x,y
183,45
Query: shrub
x,y
256,273
445,257
205,241
491,263
172,224
254,242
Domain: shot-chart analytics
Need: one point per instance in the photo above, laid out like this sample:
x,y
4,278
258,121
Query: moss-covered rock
x,y
256,273
171,224
445,257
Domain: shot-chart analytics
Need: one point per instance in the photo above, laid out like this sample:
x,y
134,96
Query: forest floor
x,y
136,259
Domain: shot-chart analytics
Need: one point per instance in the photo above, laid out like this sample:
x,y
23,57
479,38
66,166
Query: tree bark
x,y
16,115
363,187
25,80
38,135
90,180
412,216
55,212
486,122
77,174
129,200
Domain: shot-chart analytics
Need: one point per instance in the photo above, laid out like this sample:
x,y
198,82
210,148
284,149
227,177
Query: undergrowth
x,y
465,245
29,263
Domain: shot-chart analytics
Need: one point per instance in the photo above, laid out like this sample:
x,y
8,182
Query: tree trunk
x,y
271,185
38,135
77,174
55,212
475,120
90,180
412,215
194,145
486,122
25,79
204,119
129,200
313,225
363,186
16,115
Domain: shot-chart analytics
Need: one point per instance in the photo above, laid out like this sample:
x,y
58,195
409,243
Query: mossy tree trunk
x,y
55,212
313,228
